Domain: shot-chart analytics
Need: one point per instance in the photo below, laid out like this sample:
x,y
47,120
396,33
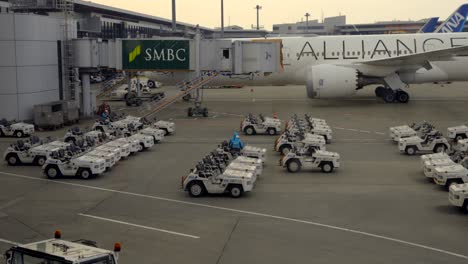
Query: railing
x,y
186,88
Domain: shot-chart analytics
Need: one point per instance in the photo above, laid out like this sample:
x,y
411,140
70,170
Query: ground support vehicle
x,y
109,157
60,164
132,99
326,161
428,157
202,181
104,127
430,165
144,141
254,152
73,134
58,251
250,161
243,167
433,142
116,149
134,144
457,133
402,132
168,127
157,134
461,145
284,144
21,153
253,126
458,196
19,130
413,130
452,174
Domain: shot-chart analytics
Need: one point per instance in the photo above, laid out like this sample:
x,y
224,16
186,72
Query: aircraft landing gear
x,y
391,96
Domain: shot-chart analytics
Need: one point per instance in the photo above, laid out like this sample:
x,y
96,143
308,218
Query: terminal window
x,y
226,53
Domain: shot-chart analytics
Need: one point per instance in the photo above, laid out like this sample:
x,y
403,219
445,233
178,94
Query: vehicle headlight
x,y
440,177
96,166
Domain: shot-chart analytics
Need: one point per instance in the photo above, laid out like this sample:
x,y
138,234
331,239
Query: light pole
x,y
222,18
258,7
307,15
174,19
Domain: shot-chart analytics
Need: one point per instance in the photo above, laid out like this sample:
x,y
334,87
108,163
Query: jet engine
x,y
331,81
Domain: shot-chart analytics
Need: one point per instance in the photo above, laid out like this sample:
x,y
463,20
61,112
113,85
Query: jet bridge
x,y
199,57
228,56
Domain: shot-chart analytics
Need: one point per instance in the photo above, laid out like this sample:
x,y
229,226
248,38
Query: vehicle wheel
x,y
141,147
139,102
205,112
402,97
151,84
19,134
440,148
389,96
327,167
100,128
379,91
285,150
271,131
187,97
40,161
449,183
465,206
166,132
249,131
85,174
293,166
196,189
411,151
459,137
52,172
12,160
190,112
236,191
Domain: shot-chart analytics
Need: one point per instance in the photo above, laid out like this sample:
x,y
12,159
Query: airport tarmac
x,y
377,208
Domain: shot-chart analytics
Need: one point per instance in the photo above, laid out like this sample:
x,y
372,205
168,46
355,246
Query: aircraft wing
x,y
419,59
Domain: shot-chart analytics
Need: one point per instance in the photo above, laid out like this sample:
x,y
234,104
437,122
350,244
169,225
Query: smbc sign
x,y
155,54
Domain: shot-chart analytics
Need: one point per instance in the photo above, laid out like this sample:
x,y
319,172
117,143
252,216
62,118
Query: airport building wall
x,y
29,64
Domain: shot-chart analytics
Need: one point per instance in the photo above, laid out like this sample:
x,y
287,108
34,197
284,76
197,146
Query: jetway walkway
x,y
201,57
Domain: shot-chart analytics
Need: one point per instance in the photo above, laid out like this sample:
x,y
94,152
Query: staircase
x,y
109,85
186,88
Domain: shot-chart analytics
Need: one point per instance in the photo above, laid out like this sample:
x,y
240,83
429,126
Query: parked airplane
x,y
430,25
338,66
456,22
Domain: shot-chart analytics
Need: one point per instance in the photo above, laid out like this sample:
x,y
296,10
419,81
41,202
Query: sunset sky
x,y
242,12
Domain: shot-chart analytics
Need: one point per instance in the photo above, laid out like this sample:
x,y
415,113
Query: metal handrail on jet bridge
x,y
186,88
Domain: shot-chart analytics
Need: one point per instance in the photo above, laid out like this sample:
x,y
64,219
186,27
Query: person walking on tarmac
x,y
236,144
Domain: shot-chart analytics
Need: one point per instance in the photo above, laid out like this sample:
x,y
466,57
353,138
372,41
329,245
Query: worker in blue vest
x,y
236,144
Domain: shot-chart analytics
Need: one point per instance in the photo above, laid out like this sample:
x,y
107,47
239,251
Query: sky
x,y
242,12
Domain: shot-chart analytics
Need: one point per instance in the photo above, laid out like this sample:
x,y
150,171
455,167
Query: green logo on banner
x,y
132,56
156,54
